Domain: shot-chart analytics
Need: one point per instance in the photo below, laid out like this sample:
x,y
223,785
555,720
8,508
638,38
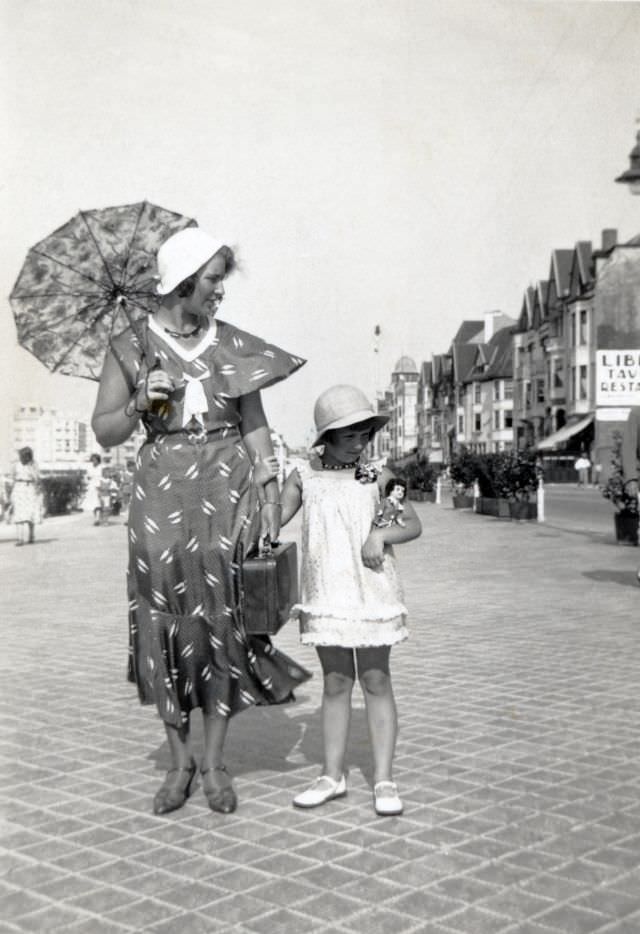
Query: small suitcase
x,y
268,588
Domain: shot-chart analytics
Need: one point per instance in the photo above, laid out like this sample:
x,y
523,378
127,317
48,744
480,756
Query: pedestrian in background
x,y
351,606
583,466
26,497
630,458
195,383
94,498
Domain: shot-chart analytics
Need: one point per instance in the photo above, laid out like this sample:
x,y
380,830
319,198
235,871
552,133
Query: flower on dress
x,y
367,473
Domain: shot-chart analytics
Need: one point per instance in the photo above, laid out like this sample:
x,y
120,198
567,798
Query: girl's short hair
x,y
394,481
186,288
369,423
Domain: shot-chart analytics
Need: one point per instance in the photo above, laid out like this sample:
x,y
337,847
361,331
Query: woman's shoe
x,y
219,799
386,799
175,789
322,790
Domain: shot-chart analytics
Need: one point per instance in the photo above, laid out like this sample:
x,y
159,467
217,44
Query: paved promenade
x,y
518,758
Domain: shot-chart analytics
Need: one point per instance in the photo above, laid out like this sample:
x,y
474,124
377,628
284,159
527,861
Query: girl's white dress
x,y
343,603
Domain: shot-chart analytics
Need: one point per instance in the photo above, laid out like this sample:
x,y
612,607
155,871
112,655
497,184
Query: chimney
x,y
609,239
489,324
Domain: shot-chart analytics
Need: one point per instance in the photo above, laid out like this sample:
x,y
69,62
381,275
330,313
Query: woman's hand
x,y
157,387
270,516
373,550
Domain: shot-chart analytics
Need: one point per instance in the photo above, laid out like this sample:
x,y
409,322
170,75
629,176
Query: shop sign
x,y
618,377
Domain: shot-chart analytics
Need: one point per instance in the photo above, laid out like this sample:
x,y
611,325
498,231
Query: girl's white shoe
x,y
386,799
322,790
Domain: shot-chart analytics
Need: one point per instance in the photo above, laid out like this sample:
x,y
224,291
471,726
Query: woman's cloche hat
x,y
182,255
343,405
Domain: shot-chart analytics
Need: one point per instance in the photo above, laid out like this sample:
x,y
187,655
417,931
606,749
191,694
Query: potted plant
x,y
616,490
421,478
463,470
507,481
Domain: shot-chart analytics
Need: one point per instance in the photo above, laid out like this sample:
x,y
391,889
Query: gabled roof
x,y
540,309
468,331
560,270
581,276
425,372
464,356
501,365
525,320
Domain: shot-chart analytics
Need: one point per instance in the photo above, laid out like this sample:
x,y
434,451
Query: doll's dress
x,y
343,603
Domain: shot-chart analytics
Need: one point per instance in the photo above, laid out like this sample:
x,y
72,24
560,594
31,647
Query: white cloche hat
x,y
182,255
343,405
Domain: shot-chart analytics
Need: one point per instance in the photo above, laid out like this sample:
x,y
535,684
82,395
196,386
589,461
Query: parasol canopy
x,y
88,281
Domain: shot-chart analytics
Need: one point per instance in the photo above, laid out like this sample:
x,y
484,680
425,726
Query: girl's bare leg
x,y
382,717
339,676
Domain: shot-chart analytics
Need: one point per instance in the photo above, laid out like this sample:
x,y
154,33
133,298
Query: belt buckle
x,y
197,437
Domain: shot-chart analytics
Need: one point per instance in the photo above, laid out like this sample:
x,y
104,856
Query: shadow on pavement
x,y
268,738
624,578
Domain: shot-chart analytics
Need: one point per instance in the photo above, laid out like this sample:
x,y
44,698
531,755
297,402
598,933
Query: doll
x,y
389,512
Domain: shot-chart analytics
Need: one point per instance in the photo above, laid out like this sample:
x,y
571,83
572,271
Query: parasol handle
x,y
122,303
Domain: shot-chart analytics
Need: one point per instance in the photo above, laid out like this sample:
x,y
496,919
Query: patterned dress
x,y
192,504
344,603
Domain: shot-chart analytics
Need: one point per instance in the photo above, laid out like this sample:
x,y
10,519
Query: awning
x,y
558,438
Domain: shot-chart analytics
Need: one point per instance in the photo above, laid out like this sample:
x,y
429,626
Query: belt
x,y
198,435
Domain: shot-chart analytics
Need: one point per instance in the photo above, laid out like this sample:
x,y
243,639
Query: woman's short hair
x,y
26,455
95,459
186,288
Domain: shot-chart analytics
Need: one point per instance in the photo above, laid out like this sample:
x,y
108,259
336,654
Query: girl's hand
x,y
373,550
265,469
270,516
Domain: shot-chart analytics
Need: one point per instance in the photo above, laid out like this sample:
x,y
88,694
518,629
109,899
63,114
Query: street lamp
x,y
632,176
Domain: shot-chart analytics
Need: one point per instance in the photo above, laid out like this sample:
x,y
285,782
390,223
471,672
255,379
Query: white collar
x,y
210,337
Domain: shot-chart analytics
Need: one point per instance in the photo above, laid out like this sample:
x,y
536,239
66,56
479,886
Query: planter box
x,y
462,501
421,496
489,506
523,510
626,525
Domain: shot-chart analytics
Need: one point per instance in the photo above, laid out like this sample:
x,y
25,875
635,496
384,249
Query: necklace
x,y
339,466
184,334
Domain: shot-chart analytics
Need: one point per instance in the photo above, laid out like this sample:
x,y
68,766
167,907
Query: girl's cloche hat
x,y
342,405
182,255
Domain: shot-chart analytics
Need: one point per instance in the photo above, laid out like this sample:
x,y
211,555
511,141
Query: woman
x,y
25,497
195,383
94,497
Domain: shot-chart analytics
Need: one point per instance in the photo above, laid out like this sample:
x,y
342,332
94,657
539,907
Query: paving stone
x,y
518,758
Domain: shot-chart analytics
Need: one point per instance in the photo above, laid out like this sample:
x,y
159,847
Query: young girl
x,y
351,608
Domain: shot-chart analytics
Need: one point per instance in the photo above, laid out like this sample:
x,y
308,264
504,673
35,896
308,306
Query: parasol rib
x,y
72,269
97,246
133,237
37,325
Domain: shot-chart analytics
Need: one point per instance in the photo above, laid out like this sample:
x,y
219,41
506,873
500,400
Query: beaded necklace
x,y
350,466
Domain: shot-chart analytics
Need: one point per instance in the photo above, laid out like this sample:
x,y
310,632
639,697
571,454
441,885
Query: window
x,y
558,373
508,388
496,419
583,382
477,422
477,393
460,424
573,329
539,390
572,384
496,390
508,418
583,326
527,395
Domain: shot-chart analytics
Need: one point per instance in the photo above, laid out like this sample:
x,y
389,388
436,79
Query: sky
x,y
402,163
